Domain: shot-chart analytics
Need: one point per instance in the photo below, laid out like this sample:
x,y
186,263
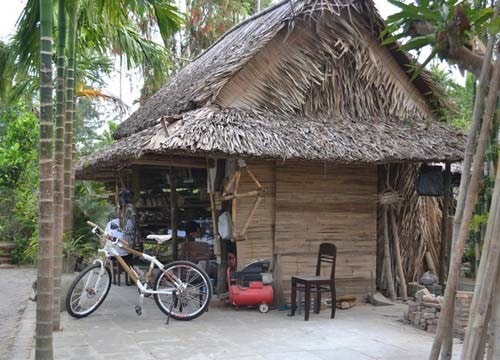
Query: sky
x,y
11,10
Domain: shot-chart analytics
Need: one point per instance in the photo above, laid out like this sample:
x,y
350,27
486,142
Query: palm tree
x,y
46,211
107,26
59,163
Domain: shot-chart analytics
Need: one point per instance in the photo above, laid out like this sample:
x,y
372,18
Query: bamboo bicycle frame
x,y
109,250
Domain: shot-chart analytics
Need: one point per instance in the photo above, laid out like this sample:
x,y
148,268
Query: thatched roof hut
x,y
300,80
327,118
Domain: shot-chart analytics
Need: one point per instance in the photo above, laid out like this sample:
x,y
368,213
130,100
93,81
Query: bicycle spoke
x,y
88,292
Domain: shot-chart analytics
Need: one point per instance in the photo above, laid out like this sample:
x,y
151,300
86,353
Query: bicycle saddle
x,y
159,238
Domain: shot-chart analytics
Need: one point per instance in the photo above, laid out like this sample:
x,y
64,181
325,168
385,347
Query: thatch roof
x,y
304,79
255,134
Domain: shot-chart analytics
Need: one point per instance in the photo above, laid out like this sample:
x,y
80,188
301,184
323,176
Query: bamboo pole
x,y
446,317
486,279
234,204
173,213
387,256
444,330
214,215
494,336
230,183
444,225
254,178
250,216
243,195
430,263
397,252
484,335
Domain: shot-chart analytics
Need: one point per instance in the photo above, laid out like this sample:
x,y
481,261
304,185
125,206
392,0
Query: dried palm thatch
x,y
231,132
298,57
417,220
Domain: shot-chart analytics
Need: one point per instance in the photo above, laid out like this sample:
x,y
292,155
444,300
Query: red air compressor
x,y
255,294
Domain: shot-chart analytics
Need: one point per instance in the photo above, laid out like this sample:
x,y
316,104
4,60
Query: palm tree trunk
x,y
44,304
69,120
59,165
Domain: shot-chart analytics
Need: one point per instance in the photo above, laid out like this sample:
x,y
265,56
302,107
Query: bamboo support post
x,y
387,256
230,183
243,195
430,262
253,178
250,216
173,213
213,209
444,225
234,217
397,251
136,185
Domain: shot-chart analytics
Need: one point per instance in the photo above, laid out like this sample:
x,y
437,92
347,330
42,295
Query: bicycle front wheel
x,y
186,290
88,291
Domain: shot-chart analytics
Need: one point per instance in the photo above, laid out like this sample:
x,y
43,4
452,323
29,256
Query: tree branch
x,y
462,55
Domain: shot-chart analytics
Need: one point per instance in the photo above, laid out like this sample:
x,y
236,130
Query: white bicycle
x,y
180,289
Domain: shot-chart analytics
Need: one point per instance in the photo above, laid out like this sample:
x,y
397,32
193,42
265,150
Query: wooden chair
x,y
196,252
316,283
116,271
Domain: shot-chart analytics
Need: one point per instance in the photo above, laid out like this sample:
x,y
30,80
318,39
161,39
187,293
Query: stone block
x,y
413,288
435,289
419,295
428,316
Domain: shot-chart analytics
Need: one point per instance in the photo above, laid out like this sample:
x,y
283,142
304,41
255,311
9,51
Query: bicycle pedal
x,y
138,310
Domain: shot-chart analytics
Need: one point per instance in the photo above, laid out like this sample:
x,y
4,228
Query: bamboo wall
x,y
260,235
309,204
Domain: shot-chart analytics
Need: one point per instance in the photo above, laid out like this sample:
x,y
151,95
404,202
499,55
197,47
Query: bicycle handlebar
x,y
95,228
92,224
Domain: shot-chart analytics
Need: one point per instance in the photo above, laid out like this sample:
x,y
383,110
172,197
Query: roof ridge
x,y
240,24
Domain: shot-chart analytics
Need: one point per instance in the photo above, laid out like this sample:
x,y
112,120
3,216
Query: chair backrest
x,y
196,251
327,254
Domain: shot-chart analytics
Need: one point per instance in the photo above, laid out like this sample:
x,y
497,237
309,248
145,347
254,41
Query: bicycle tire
x,y
72,294
193,300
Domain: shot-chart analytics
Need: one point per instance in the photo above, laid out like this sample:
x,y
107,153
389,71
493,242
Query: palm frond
x,y
97,94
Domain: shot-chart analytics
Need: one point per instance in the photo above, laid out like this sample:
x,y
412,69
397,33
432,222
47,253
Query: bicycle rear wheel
x,y
88,291
190,288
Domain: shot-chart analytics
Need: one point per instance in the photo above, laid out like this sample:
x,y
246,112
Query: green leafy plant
x,y
449,27
80,247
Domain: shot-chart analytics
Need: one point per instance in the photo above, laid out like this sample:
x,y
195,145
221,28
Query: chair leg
x,y
307,300
120,270
114,270
317,302
293,305
128,282
334,301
